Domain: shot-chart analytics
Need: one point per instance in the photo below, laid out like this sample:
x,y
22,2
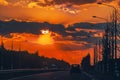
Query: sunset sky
x,y
61,42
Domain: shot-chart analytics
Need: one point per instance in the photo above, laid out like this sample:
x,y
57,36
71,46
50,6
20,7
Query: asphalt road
x,y
61,75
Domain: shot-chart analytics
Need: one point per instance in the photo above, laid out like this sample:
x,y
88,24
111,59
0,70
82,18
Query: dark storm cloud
x,y
73,47
30,27
69,2
84,25
107,0
56,2
73,1
80,33
59,2
34,27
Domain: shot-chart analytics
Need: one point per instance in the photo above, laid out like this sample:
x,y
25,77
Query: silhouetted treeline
x,y
24,60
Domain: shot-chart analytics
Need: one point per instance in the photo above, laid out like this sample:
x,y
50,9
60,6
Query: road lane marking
x,y
29,76
21,77
90,76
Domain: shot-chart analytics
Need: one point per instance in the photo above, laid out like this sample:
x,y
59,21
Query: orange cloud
x,y
63,14
3,2
100,34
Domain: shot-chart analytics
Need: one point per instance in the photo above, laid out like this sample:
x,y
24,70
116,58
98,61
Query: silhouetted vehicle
x,y
75,68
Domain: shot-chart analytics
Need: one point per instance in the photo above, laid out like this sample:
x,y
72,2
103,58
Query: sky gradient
x,y
68,21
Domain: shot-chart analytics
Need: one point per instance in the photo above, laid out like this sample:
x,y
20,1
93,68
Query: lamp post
x,y
1,56
106,20
12,48
11,56
107,5
106,45
114,52
100,18
19,49
1,52
105,37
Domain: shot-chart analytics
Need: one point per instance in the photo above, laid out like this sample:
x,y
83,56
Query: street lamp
x,y
2,46
107,5
19,49
100,18
115,27
104,20
106,45
2,36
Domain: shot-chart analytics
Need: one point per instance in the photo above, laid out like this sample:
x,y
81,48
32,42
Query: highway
x,y
60,75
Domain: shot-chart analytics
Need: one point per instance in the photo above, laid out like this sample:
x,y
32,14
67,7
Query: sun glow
x,y
45,31
45,38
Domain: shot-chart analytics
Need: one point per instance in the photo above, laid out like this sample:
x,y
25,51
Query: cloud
x,y
3,2
67,8
45,3
78,2
85,25
20,1
32,5
105,0
74,45
30,27
67,2
59,32
61,5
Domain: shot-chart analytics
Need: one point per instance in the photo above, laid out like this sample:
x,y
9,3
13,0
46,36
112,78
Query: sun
x,y
45,38
44,31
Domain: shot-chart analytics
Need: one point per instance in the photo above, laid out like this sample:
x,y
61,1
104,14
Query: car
x,y
75,68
